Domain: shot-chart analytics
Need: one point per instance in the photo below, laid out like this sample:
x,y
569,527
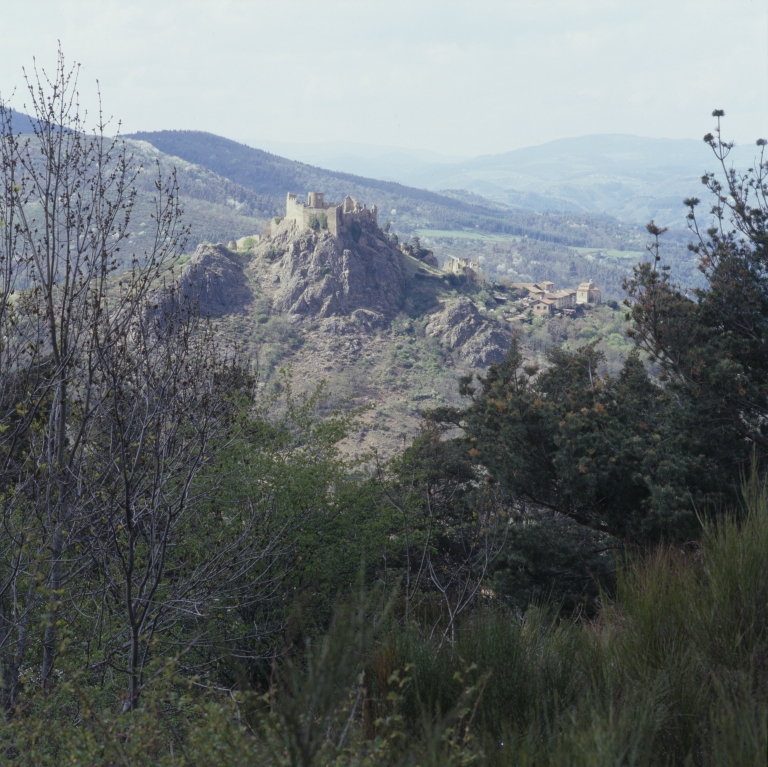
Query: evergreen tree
x,y
712,344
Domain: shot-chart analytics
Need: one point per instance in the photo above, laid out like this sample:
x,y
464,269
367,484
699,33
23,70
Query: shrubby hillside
x,y
564,564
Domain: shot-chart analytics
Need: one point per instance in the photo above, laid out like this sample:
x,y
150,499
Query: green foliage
x,y
675,671
485,297
616,454
275,337
314,223
481,598
414,248
711,346
549,558
607,328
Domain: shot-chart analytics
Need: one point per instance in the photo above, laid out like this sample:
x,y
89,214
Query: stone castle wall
x,y
340,215
455,265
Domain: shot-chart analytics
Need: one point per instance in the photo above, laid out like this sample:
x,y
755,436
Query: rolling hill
x,y
409,208
634,178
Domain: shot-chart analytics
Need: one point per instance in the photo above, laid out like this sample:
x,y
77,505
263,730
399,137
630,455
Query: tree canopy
x,y
641,454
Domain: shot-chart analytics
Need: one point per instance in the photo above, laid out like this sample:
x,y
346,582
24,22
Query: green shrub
x,y
314,223
323,220
674,672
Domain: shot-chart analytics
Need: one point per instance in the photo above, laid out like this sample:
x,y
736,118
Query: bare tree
x,y
169,405
117,403
67,292
471,541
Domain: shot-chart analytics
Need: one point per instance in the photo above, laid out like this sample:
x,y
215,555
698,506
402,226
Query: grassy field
x,y
467,235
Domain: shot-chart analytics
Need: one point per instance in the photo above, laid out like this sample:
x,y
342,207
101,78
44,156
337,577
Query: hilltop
x,y
525,243
356,308
370,312
529,203
334,297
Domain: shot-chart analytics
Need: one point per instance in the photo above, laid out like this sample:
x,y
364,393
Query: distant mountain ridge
x,y
632,177
388,163
270,174
22,123
410,208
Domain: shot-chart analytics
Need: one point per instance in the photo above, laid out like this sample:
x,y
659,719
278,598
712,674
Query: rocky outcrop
x,y
462,329
319,275
486,347
214,277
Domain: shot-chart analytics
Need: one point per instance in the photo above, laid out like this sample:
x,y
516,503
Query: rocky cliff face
x,y
461,328
354,311
316,275
214,276
352,285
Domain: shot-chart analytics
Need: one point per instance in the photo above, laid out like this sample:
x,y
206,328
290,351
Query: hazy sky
x,y
462,78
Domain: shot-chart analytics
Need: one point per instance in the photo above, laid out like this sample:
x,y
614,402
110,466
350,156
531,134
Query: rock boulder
x,y
215,278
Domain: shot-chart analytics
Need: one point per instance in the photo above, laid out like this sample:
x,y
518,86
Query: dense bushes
x,y
674,670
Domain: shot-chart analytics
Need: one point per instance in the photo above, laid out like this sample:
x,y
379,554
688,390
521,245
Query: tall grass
x,y
673,671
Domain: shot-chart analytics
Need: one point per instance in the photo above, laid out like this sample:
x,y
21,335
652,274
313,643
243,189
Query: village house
x,y
544,301
564,299
535,289
543,307
588,293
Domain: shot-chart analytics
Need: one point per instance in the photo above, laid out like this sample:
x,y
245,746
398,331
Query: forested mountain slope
x,y
215,209
635,178
268,174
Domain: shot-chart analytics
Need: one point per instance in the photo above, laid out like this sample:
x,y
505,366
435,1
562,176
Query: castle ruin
x,y
318,214
465,266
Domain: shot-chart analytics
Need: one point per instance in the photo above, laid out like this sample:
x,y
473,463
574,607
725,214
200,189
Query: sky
x,y
459,78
